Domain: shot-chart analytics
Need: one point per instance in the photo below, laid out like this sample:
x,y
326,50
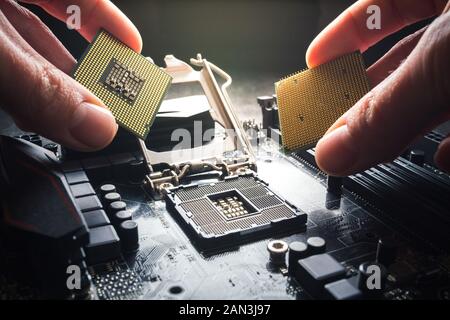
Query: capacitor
x,y
121,216
277,252
129,235
334,184
316,245
110,198
115,207
107,188
297,250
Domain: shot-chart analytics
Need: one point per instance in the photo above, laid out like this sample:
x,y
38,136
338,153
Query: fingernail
x,y
335,154
93,126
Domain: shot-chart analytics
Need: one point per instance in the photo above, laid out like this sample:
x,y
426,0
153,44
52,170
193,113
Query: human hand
x,y
411,85
35,88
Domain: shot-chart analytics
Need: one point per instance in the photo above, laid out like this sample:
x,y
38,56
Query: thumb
x,y
411,101
43,99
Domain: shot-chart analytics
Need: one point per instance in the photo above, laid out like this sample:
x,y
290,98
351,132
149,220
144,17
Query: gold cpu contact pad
x,y
128,84
310,101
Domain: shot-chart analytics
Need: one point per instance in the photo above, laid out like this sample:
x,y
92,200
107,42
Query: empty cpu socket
x,y
232,211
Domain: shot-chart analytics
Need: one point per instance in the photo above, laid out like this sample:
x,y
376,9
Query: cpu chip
x,y
310,101
131,86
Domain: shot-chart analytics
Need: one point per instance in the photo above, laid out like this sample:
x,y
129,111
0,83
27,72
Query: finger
x,y
38,35
45,100
442,156
349,32
409,102
95,15
392,60
386,65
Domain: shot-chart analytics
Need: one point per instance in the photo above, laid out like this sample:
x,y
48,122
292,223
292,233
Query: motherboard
x,y
256,224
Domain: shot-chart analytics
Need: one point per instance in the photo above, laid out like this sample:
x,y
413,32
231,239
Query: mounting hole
x,y
176,290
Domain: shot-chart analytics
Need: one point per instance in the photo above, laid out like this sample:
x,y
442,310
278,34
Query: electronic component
x,y
104,245
39,217
230,211
130,85
107,188
121,216
316,245
129,235
110,198
82,190
88,203
316,271
310,101
334,184
297,251
96,218
342,290
116,206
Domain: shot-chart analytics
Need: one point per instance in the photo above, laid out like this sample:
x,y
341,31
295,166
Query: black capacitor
x,y
115,207
107,188
136,171
129,235
121,216
371,278
316,245
386,252
110,198
334,184
297,250
417,157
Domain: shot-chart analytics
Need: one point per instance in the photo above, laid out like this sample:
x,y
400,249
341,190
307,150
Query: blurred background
x,y
255,41
251,36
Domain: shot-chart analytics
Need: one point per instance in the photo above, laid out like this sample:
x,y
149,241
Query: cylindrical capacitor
x,y
121,216
129,235
115,207
110,198
334,184
316,245
107,188
371,278
297,250
386,252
